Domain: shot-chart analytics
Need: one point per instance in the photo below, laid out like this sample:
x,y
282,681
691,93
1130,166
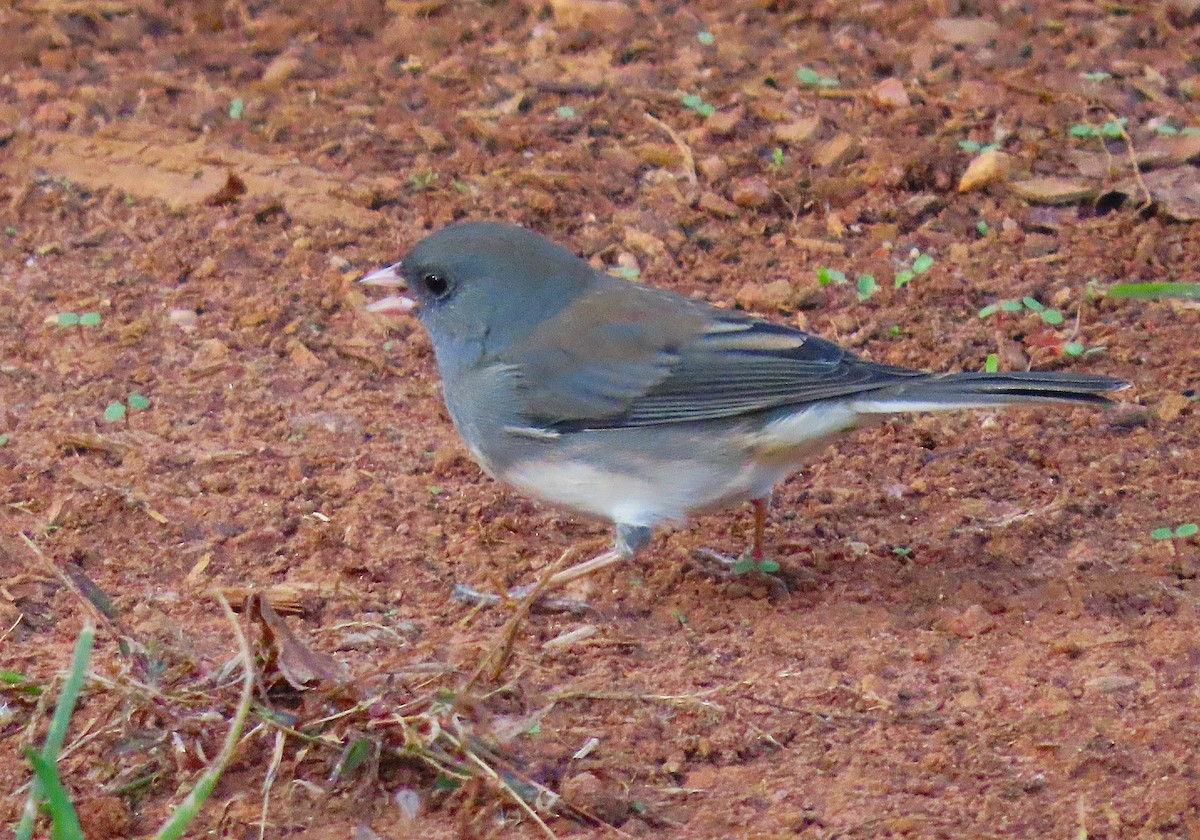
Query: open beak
x,y
392,304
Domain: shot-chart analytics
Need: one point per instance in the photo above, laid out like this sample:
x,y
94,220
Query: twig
x,y
499,655
630,696
489,771
1129,150
689,160
269,780
73,586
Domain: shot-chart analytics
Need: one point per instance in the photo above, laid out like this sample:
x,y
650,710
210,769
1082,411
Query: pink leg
x,y
761,506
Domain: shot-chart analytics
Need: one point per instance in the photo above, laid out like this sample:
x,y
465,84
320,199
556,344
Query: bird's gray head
x,y
489,282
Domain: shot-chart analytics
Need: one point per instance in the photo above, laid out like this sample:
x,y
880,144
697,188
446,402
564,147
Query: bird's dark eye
x,y
436,284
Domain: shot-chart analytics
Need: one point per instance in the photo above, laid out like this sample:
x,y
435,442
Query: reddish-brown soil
x,y
981,637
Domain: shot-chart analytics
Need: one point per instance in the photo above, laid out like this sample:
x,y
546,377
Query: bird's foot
x,y
725,568
516,595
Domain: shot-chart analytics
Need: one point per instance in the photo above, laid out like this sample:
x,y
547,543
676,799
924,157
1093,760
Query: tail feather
x,y
939,392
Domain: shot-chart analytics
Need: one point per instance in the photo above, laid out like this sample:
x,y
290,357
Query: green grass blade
x,y
57,732
64,824
1155,291
174,827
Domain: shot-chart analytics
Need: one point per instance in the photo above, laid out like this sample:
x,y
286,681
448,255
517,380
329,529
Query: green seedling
x,y
115,411
422,181
1075,348
992,363
901,551
236,108
981,227
810,77
867,287
972,146
1110,130
628,272
74,319
777,159
1049,316
705,38
565,112
14,681
1179,532
4,439
825,276
746,564
921,263
1096,76
695,103
10,231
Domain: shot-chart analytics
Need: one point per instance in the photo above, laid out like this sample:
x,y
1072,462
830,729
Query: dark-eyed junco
x,y
641,406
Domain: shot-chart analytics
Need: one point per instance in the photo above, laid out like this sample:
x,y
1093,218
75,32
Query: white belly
x,y
644,483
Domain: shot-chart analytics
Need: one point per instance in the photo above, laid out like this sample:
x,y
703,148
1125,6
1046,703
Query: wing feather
x,y
635,356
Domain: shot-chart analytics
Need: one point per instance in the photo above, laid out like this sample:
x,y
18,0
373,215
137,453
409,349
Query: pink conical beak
x,y
392,304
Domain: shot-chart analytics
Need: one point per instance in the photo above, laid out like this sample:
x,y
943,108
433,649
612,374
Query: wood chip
x,y
800,131
1053,190
984,170
718,205
890,93
966,32
841,149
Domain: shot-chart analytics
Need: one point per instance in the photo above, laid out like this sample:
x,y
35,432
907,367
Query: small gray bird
x,y
641,406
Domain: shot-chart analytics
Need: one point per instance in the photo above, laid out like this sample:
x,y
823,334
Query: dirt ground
x,y
981,638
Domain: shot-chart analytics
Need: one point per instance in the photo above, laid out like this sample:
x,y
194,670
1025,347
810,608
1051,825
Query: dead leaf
x,y
1175,191
228,192
1166,151
297,663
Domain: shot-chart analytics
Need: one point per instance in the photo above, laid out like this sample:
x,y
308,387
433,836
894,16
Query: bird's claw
x,y
468,595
